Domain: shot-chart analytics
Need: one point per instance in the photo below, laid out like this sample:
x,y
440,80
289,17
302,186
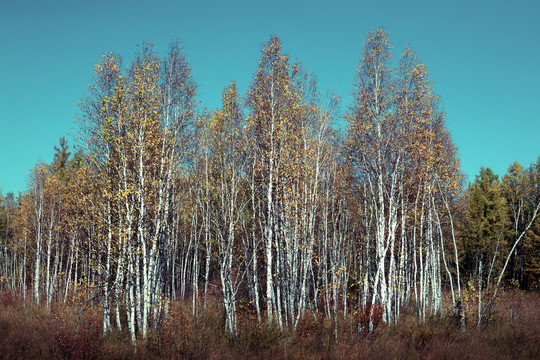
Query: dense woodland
x,y
268,206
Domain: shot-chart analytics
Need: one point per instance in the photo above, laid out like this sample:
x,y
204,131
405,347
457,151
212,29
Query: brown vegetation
x,y
31,332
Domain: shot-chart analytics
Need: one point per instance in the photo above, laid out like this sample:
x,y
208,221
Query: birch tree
x,y
269,99
228,169
399,146
136,124
371,140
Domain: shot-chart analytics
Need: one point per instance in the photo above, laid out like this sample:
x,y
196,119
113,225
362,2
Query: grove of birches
x,y
280,204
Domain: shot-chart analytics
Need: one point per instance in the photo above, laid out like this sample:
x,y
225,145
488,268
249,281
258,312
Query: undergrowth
x,y
28,331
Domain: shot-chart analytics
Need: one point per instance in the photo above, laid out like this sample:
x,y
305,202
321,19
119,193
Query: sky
x,y
483,57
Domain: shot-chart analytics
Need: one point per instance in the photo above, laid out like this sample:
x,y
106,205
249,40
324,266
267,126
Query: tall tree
x,y
228,169
270,102
137,124
486,222
514,191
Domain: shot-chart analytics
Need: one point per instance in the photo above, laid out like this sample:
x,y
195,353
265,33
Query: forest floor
x,y
31,332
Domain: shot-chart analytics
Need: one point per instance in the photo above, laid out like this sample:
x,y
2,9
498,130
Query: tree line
x,y
264,203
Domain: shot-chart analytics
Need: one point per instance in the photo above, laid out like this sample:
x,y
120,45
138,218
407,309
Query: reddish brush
x,y
374,312
32,332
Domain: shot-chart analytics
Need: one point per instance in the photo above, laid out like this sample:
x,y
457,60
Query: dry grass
x,y
30,332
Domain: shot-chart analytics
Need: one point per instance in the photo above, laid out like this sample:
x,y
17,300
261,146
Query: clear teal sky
x,y
484,57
